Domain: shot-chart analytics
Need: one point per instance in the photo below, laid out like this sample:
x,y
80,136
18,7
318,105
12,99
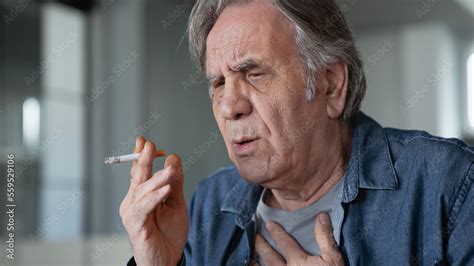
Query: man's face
x,y
259,101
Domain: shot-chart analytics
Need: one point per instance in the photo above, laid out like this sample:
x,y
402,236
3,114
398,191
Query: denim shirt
x,y
408,199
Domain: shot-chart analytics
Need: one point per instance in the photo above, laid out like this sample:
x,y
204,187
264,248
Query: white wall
x,y
116,106
62,159
411,77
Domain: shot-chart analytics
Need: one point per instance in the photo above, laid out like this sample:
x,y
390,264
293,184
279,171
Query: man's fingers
x,y
324,233
174,160
174,169
148,203
266,253
143,168
139,144
288,246
168,175
324,237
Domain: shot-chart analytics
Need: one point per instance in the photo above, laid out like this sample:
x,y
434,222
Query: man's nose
x,y
234,103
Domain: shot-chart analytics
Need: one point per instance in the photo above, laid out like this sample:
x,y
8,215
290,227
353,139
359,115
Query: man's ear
x,y
337,75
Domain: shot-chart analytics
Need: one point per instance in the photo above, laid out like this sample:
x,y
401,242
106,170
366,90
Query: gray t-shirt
x,y
300,223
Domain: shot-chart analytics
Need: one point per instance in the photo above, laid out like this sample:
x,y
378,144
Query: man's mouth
x,y
244,146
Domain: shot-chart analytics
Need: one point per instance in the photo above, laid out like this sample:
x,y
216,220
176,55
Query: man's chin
x,y
255,175
257,169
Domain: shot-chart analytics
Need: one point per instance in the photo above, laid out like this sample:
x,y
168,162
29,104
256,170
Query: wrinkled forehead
x,y
256,30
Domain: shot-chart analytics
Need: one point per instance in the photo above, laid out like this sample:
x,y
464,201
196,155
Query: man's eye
x,y
219,84
255,75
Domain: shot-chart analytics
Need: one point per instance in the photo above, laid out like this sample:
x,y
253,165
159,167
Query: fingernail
x,y
324,219
148,145
137,141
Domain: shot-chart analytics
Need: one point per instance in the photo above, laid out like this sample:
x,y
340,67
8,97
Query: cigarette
x,y
130,157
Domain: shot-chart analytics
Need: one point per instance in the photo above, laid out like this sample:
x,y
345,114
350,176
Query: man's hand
x,y
154,210
293,253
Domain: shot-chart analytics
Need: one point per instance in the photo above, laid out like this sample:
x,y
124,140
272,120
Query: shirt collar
x,y
370,167
242,199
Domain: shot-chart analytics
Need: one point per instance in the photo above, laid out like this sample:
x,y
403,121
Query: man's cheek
x,y
279,141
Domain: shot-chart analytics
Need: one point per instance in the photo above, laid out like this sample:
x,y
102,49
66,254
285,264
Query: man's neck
x,y
315,187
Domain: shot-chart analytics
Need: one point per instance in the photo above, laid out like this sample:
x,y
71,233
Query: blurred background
x,y
80,79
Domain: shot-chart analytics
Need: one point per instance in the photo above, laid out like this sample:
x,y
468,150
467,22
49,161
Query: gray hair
x,y
322,36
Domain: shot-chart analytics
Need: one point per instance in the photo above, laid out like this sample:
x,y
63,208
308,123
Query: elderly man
x,y
315,181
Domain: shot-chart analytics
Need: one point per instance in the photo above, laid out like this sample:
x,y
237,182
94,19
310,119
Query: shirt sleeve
x,y
460,248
